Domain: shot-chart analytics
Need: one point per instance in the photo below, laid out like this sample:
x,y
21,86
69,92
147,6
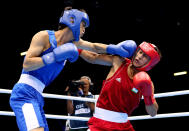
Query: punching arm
x,y
123,49
94,58
94,47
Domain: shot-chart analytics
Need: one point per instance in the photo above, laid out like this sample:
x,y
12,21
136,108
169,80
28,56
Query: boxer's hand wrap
x,y
79,51
143,82
66,51
124,49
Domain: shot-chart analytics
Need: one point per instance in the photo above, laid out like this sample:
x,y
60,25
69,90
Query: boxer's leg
x,y
27,110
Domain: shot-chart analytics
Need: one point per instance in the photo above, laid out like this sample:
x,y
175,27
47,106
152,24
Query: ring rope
x,y
176,93
55,96
144,117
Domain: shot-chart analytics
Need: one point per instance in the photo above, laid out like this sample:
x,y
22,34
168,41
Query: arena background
x,y
164,24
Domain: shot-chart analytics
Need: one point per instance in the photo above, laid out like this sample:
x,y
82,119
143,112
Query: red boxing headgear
x,y
149,50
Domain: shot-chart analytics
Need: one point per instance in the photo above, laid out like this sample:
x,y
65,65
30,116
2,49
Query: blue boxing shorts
x,y
27,104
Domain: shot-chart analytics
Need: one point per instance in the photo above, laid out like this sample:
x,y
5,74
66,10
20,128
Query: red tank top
x,y
116,94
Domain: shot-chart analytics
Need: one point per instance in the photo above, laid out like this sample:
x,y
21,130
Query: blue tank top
x,y
48,73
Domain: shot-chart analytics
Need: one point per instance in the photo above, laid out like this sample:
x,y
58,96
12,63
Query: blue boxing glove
x,y
124,49
66,51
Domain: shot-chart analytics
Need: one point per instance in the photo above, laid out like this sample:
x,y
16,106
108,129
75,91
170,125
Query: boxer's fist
x,y
143,83
124,49
66,51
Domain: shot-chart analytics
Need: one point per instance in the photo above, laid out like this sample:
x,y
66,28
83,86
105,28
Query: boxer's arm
x,y
94,47
152,109
32,59
143,82
124,49
94,58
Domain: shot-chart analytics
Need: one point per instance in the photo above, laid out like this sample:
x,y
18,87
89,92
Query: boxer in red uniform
x,y
125,84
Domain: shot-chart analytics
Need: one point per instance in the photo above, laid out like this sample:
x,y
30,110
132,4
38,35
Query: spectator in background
x,y
79,88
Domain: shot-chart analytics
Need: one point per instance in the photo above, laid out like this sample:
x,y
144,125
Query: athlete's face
x,y
82,29
140,59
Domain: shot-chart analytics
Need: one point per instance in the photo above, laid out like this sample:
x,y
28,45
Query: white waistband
x,y
111,116
32,81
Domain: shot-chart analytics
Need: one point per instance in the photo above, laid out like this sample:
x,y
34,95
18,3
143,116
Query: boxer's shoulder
x,y
41,37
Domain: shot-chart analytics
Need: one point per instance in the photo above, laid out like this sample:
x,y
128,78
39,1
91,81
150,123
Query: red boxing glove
x,y
79,50
143,82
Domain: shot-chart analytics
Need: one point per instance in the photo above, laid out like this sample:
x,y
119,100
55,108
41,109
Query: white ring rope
x,y
144,117
46,95
176,93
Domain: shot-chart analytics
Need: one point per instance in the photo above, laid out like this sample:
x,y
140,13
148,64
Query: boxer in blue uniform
x,y
45,59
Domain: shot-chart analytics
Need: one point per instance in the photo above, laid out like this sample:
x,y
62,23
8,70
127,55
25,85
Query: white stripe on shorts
x,y
32,81
112,116
30,116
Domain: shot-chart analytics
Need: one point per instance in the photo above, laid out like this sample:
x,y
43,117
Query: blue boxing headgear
x,y
73,18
